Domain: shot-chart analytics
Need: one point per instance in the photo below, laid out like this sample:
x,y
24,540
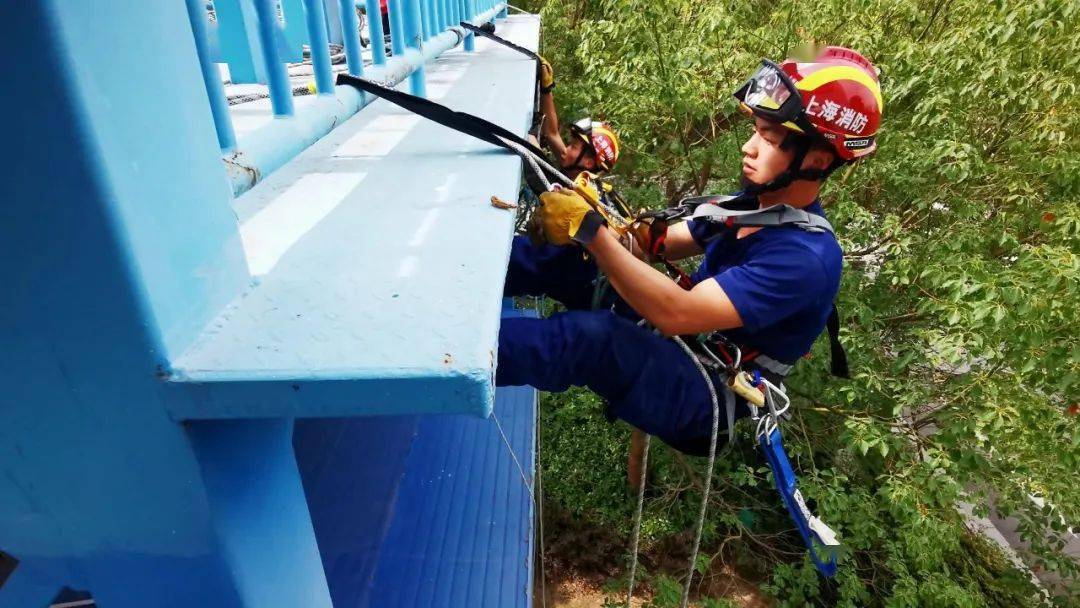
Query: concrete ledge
x,y
378,260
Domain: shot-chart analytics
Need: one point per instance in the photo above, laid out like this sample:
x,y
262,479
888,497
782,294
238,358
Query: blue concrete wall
x,y
118,245
98,487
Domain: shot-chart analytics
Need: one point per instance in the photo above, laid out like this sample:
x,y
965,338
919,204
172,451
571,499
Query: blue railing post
x,y
428,19
350,34
276,74
315,15
293,34
397,33
414,39
219,106
375,32
470,38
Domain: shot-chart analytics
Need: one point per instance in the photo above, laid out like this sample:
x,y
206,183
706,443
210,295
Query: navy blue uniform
x,y
782,281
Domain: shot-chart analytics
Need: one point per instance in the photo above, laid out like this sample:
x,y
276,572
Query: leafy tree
x,y
960,293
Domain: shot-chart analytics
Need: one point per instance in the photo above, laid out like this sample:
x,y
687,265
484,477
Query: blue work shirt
x,y
781,279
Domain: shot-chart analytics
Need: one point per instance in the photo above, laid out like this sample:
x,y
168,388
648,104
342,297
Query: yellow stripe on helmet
x,y
841,72
601,128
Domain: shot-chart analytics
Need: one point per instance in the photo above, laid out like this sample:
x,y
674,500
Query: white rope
x,y
536,162
538,504
506,442
708,477
637,521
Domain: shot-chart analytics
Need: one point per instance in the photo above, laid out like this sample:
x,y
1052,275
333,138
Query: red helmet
x,y
601,138
836,97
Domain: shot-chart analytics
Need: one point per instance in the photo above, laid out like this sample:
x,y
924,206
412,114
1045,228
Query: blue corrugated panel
x,y
425,511
462,533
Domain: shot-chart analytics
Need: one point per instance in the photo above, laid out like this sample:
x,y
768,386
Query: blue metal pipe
x,y
350,34
219,106
276,74
414,39
315,13
375,32
397,32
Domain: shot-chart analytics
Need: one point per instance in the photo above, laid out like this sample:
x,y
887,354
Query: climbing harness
x,y
738,211
718,354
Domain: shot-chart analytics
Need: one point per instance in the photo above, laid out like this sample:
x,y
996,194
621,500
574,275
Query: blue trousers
x,y
647,380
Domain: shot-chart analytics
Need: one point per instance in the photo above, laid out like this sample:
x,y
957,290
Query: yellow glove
x,y
546,76
566,218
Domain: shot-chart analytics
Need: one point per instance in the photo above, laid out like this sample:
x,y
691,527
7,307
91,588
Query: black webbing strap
x,y
503,41
839,367
462,122
8,564
534,128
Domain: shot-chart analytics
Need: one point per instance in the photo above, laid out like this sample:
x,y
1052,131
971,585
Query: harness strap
x,y
836,350
777,215
768,363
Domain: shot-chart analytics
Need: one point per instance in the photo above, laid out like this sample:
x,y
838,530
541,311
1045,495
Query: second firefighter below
x,y
768,289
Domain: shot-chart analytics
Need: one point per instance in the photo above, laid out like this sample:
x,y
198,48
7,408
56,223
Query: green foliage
x,y
962,241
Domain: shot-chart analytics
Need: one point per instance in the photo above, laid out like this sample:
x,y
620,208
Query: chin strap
x,y
576,165
795,171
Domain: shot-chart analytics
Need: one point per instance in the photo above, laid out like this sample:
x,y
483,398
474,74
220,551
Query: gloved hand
x,y
547,76
651,234
567,218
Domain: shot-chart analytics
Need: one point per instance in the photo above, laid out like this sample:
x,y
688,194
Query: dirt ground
x,y
574,592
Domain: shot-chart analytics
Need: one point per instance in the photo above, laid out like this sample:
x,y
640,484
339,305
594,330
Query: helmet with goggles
x,y
601,138
835,98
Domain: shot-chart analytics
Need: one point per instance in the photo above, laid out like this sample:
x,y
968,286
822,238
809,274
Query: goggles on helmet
x,y
771,94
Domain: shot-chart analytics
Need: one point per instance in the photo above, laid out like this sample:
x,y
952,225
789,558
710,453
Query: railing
x,y
257,38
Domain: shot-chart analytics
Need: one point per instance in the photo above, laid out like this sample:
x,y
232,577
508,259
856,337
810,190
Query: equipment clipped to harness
x,y
819,538
761,395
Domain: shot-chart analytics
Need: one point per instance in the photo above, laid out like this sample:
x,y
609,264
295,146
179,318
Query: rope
x,y
637,521
536,163
506,442
539,506
538,503
708,477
